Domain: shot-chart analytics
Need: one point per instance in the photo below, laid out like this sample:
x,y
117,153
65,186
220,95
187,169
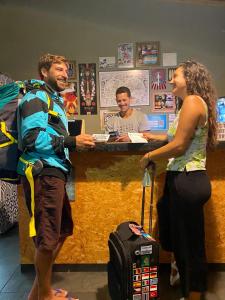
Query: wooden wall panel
x,y
108,192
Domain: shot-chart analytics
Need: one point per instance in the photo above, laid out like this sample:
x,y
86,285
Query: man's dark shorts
x,y
53,218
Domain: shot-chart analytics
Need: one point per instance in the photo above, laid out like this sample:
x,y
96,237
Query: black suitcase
x,y
133,268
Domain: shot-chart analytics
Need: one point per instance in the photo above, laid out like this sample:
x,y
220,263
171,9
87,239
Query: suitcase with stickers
x,y
133,268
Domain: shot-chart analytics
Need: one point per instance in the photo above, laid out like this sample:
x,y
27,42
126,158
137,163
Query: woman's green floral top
x,y
195,156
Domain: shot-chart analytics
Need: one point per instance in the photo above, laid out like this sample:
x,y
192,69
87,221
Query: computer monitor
x,y
220,107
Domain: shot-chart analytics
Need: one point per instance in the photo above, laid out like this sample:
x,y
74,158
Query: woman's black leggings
x,y
181,225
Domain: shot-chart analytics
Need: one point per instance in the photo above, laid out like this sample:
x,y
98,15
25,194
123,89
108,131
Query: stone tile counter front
x,y
108,191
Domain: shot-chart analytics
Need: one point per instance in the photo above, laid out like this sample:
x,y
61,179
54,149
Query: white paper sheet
x,y
136,137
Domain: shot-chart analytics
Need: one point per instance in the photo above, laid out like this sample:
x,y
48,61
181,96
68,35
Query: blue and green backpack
x,y
10,148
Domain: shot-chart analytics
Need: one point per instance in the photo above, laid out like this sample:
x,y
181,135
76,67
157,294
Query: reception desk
x,y
108,191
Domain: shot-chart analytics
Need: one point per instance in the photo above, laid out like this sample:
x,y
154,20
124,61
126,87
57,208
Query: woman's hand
x,y
145,161
148,136
157,137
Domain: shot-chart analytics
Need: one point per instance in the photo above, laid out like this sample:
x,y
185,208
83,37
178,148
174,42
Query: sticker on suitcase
x,y
146,250
136,277
145,289
154,281
153,294
145,260
145,296
145,276
153,288
137,297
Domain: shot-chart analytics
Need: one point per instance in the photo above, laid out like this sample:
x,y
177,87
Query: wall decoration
x,y
158,79
125,55
220,107
70,100
157,121
107,62
169,59
163,102
147,54
136,80
87,84
170,73
105,115
72,71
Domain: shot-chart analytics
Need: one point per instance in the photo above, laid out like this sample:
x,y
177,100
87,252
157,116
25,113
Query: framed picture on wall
x,y
147,54
87,84
125,56
136,80
170,73
72,71
107,62
105,115
163,102
158,79
70,100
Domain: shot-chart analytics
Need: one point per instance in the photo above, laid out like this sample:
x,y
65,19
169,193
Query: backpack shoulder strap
x,y
50,103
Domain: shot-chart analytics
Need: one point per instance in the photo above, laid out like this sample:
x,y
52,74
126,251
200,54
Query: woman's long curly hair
x,y
199,82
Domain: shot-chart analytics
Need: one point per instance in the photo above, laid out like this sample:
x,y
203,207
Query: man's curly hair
x,y
48,59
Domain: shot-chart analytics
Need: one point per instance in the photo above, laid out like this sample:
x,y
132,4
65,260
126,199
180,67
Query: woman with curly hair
x,y
187,186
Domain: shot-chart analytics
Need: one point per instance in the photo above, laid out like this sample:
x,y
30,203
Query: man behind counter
x,y
127,119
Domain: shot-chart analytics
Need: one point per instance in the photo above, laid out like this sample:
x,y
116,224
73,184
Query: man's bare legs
x,y
43,266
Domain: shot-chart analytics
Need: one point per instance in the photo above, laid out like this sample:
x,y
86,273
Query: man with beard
x,y
44,166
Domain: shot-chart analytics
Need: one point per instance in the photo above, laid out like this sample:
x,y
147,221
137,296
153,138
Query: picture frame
x,y
70,100
72,70
87,87
136,80
107,62
163,101
105,115
125,57
170,72
147,53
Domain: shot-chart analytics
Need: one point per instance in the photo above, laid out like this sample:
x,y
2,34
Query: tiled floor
x,y
15,285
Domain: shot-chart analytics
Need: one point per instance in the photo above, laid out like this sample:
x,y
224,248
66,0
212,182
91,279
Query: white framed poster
x,y
136,80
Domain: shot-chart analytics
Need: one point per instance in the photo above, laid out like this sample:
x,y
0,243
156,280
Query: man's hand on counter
x,y
84,141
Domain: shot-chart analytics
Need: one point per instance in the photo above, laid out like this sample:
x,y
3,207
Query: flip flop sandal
x,y
60,293
174,278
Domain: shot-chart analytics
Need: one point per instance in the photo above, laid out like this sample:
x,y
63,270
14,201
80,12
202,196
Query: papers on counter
x,y
136,137
100,137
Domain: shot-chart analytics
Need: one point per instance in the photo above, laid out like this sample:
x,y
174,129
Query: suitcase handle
x,y
148,180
